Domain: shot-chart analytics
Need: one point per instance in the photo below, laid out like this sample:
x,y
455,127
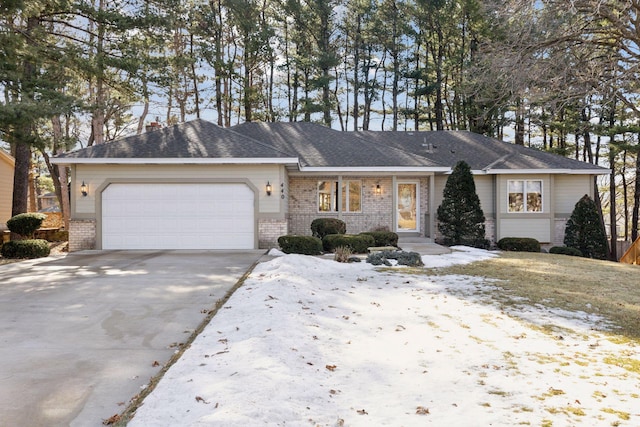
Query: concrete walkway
x,y
422,245
81,335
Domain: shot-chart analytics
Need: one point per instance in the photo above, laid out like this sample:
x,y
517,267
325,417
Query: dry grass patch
x,y
605,288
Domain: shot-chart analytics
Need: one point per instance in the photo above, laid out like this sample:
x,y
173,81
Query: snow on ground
x,y
307,341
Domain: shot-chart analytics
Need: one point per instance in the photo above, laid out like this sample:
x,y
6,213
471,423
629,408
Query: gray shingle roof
x,y
195,139
320,146
317,146
478,151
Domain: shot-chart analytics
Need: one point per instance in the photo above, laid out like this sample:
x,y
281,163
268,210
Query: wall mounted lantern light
x,y
84,189
269,189
378,189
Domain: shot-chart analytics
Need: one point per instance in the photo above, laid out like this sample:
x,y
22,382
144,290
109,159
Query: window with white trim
x,y
350,193
525,195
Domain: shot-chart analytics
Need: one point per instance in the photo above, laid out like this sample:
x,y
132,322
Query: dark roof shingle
x,y
317,146
320,146
194,139
478,151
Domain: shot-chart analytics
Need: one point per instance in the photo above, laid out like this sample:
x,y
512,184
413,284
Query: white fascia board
x,y
375,169
546,172
173,161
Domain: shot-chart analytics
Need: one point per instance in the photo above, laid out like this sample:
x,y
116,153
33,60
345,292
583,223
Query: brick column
x,y
82,234
269,230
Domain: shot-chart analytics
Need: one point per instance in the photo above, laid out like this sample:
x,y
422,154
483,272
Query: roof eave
x,y
600,171
173,161
373,169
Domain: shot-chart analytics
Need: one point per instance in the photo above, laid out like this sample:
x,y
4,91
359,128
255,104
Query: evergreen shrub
x,y
321,227
584,230
460,217
565,250
411,259
519,244
358,243
383,238
29,248
305,245
26,224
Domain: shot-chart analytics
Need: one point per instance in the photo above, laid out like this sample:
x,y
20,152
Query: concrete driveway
x,y
80,334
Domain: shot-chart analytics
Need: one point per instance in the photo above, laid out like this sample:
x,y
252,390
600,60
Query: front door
x,y
407,206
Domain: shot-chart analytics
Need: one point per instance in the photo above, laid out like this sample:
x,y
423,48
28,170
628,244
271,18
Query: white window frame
x,y
336,196
525,198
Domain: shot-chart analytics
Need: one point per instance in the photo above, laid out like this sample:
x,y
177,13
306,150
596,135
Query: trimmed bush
x,y
565,250
383,238
321,227
30,248
519,244
305,245
411,259
358,243
26,224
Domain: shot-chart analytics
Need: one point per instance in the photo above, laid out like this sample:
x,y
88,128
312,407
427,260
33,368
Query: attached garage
x,y
178,216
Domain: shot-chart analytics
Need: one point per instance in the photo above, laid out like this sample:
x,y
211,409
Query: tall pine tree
x,y
460,217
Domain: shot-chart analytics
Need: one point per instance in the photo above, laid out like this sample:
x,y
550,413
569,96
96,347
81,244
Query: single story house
x,y
199,186
7,167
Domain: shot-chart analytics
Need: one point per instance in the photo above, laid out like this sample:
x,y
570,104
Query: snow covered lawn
x,y
308,341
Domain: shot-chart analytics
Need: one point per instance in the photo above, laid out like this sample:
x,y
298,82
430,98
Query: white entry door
x,y
178,216
407,206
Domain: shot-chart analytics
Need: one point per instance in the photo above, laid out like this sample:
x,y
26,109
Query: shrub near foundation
x,y
383,238
30,248
305,245
519,244
411,259
565,250
359,243
321,227
26,224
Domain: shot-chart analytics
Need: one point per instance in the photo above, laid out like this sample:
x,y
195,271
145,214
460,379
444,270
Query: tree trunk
x,y
194,77
145,109
22,155
356,73
23,137
636,197
59,173
612,208
625,194
98,114
439,108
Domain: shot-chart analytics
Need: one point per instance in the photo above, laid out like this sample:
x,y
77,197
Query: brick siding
x,y
376,213
269,230
82,234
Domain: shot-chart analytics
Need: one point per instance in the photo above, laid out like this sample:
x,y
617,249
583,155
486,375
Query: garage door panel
x,y
178,216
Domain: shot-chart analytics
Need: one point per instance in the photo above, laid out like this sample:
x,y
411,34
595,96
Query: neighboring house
x,y
199,186
48,202
7,166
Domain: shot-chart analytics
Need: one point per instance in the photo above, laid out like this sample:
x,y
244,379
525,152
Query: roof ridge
x,y
395,148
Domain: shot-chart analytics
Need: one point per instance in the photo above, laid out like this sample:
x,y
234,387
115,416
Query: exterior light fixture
x,y
378,189
84,189
269,188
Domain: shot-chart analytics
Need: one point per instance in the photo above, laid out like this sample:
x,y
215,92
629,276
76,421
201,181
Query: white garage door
x,y
177,216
